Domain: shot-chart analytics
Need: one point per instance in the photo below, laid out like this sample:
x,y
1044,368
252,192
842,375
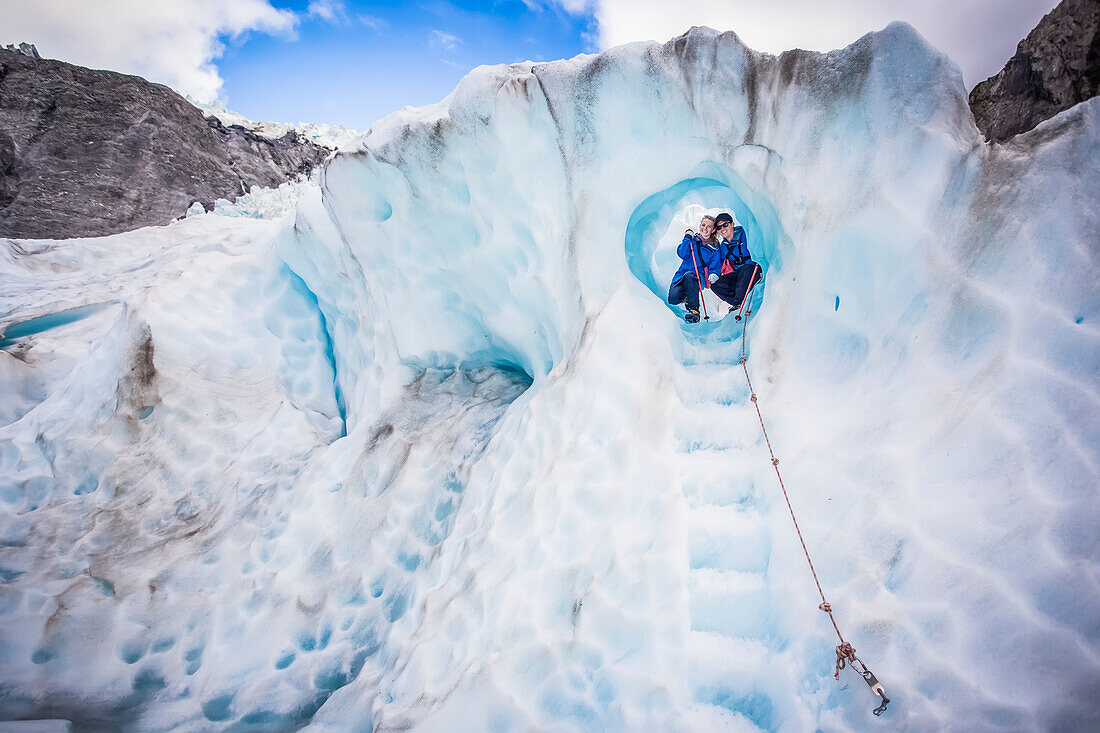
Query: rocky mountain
x,y
1055,67
88,153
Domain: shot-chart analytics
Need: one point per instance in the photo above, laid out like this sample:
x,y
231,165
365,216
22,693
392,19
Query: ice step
x,y
717,659
728,538
717,477
725,351
706,717
732,486
740,676
716,427
728,416
710,441
729,603
725,360
711,383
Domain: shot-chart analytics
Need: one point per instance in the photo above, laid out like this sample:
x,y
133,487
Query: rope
x,y
845,653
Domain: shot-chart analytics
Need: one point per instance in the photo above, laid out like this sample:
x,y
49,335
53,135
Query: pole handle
x,y
698,280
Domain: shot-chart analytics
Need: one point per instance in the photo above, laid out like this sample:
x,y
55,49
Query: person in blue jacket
x,y
737,268
700,264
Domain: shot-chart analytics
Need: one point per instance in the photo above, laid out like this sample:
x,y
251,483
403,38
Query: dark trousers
x,y
732,287
685,290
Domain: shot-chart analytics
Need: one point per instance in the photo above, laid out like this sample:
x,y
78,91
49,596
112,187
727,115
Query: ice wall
x,y
888,352
452,462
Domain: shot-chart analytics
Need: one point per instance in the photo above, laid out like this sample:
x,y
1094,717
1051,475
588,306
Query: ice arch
x,y
711,185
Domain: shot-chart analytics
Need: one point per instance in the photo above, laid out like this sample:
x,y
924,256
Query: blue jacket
x,y
735,249
706,256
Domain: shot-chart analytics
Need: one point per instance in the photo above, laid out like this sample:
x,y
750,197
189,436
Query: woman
x,y
699,263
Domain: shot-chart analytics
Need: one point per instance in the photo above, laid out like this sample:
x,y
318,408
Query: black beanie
x,y
722,218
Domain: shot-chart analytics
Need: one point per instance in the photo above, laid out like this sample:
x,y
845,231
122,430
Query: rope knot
x,y
826,607
753,398
775,461
743,360
845,654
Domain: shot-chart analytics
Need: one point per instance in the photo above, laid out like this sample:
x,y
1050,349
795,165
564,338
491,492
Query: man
x,y
738,268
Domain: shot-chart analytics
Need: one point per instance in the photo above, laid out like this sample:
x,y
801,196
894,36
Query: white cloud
x,y
578,6
376,24
336,12
173,42
330,11
979,35
443,41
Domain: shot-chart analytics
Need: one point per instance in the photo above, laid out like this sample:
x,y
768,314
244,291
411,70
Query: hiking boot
x,y
692,316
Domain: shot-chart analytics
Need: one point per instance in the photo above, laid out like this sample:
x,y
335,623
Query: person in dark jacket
x,y
700,264
737,269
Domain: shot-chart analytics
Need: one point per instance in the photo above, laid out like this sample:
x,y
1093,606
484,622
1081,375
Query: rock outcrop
x,y
88,153
1055,67
266,161
27,49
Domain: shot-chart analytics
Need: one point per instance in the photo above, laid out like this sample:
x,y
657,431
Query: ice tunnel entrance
x,y
657,225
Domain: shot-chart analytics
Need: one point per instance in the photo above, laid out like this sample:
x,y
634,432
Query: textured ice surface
x,y
338,470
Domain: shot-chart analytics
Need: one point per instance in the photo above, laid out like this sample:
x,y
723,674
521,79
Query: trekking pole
x,y
748,292
698,281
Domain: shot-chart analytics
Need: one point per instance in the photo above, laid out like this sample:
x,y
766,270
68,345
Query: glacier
x,y
432,453
326,135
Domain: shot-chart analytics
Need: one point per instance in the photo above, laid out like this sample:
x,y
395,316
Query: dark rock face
x,y
88,153
263,161
1055,67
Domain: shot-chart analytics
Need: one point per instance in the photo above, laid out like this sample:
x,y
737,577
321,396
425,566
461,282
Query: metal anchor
x,y
846,655
876,687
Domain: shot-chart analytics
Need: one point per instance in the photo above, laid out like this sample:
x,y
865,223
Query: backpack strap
x,y
738,249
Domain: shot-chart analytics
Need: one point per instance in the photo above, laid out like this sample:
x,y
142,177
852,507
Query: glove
x,y
713,277
689,232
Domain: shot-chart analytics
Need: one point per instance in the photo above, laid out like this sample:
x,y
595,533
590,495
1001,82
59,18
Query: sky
x,y
369,59
351,62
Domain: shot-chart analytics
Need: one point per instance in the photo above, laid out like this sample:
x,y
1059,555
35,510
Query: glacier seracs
x,y
326,135
342,471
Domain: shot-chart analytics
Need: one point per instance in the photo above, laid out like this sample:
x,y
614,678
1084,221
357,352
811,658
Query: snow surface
x,y
432,453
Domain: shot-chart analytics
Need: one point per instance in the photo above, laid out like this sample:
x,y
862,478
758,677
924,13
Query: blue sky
x,y
373,58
